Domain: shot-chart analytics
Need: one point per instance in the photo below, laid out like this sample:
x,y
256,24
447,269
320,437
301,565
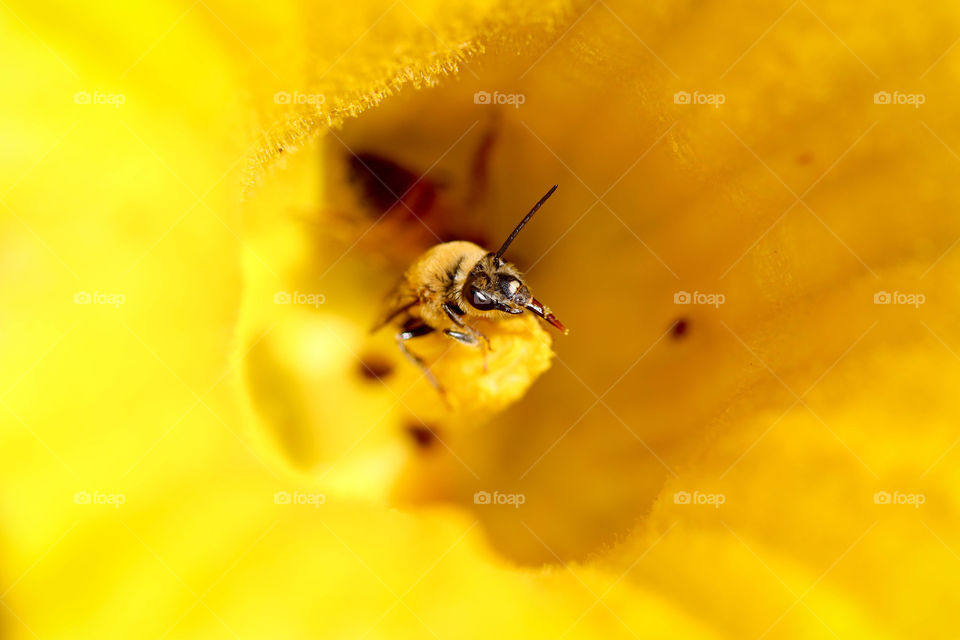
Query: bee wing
x,y
398,302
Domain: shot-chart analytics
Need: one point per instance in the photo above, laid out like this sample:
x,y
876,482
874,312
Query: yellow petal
x,y
781,467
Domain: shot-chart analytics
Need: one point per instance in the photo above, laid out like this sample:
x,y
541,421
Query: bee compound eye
x,y
480,300
509,286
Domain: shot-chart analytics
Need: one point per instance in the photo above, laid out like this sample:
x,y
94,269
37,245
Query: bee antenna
x,y
523,222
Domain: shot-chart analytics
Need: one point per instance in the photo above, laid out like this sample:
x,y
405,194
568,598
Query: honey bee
x,y
455,281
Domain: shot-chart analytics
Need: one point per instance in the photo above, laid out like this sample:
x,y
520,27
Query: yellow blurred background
x,y
749,433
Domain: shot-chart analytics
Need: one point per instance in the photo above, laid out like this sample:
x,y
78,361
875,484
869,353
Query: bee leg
x,y
454,312
415,332
462,337
485,347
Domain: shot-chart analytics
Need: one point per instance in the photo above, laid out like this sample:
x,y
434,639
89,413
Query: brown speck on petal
x,y
375,367
423,436
679,328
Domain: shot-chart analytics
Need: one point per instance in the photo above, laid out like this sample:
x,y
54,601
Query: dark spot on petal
x,y
805,158
385,184
375,367
423,436
679,328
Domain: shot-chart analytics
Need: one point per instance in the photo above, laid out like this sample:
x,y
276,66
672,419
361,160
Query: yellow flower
x,y
749,432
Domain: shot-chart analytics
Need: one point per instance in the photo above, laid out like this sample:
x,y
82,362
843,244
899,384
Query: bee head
x,y
496,285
